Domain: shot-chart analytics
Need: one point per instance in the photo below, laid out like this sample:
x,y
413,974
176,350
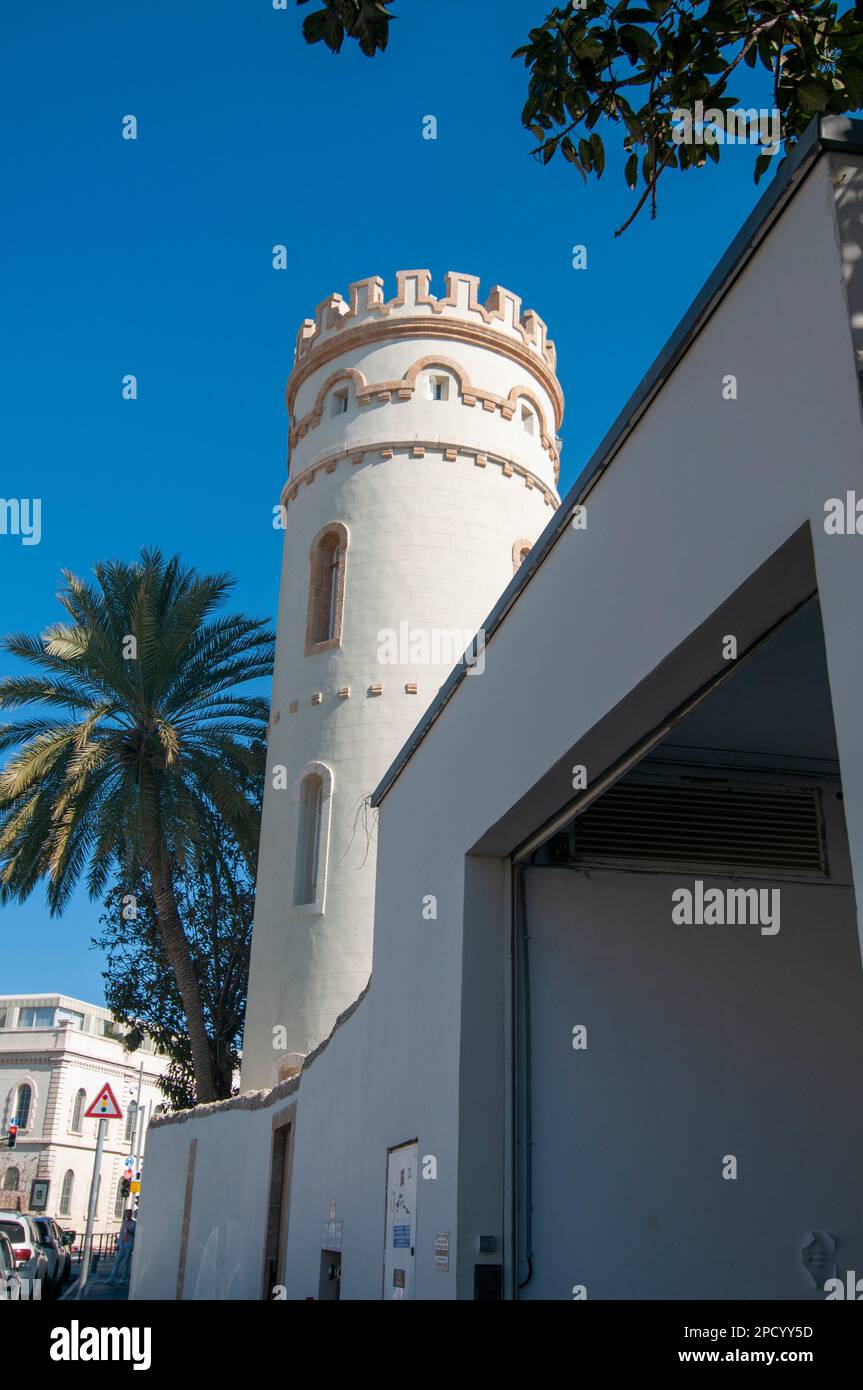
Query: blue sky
x,y
153,257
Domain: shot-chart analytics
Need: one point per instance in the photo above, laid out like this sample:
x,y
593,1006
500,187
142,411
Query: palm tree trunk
x,y
177,949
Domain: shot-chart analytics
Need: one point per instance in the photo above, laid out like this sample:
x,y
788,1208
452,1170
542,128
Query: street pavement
x,y
99,1289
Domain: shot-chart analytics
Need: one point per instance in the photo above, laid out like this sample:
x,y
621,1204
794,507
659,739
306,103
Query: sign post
x,y
103,1109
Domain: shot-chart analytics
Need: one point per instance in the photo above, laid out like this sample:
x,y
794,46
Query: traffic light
x,y
13,1134
127,1186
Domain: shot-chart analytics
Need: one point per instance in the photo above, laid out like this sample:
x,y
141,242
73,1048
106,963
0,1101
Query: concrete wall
x,y
225,1206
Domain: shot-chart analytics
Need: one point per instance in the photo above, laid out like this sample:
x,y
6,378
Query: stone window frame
x,y
520,550
325,773
319,591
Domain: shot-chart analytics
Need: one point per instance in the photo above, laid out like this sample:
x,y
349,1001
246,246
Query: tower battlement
x,y
366,306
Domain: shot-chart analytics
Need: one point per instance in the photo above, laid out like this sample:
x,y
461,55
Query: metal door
x,y
401,1219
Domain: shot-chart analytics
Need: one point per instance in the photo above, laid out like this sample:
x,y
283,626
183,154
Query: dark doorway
x,y
329,1286
278,1207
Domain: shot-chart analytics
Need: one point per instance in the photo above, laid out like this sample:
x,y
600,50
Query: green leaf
x,y
598,153
630,172
814,95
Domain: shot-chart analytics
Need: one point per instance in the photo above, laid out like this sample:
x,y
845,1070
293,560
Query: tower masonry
x,y
423,463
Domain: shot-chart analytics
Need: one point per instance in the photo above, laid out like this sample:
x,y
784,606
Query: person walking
x,y
125,1246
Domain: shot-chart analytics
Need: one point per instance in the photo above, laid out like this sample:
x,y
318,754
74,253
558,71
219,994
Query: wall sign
x,y
441,1250
39,1189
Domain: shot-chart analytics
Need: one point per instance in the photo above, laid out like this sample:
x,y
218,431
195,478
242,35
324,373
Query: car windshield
x,y
14,1230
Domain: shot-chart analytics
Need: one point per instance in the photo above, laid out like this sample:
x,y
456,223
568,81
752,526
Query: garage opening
x,y
689,1010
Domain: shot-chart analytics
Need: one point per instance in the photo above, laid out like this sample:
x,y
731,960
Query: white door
x,y
401,1227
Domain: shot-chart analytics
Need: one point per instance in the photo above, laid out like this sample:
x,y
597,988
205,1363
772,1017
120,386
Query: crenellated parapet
x,y
366,304
366,317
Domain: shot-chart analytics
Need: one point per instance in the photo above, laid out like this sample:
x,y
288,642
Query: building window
x,y
339,402
326,588
66,1192
308,840
528,420
131,1116
312,793
520,551
36,1018
436,388
23,1103
120,1201
11,1180
78,1112
70,1016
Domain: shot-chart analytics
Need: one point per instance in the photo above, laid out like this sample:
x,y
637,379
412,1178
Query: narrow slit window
x,y
309,841
326,589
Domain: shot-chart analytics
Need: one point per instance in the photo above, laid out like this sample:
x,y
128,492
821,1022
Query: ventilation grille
x,y
710,824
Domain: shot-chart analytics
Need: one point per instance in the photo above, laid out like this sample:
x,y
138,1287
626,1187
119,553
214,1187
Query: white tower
x,y
423,462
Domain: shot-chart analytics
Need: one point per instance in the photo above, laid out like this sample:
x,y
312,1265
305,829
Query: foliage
x,y
140,745
216,904
636,63
367,21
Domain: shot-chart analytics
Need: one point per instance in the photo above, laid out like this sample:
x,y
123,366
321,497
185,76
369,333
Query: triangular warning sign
x,y
105,1106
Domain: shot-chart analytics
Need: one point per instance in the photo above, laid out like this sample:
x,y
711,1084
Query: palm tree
x,y
142,739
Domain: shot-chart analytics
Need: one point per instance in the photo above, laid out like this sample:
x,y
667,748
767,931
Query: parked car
x,y
31,1262
10,1280
54,1244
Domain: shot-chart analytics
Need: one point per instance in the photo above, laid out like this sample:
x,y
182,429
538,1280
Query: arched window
x,y
78,1111
66,1192
520,551
326,588
11,1180
23,1104
312,794
528,419
308,840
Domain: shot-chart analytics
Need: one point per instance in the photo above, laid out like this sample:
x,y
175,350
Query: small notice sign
x,y
105,1106
441,1250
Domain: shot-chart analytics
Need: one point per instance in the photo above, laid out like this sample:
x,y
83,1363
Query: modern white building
x,y
55,1054
621,1059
